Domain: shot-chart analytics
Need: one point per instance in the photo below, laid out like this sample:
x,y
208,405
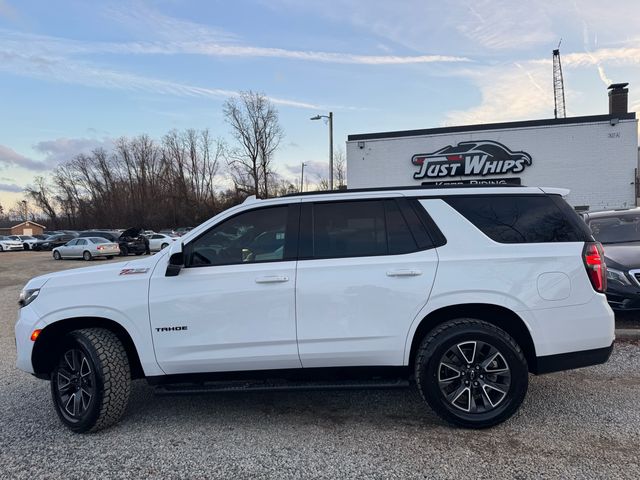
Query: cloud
x,y
39,44
64,149
10,187
79,73
11,158
313,171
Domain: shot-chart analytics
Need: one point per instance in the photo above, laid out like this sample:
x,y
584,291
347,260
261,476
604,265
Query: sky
x,y
76,74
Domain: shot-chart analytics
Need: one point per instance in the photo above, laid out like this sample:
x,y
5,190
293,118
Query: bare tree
x,y
256,128
41,194
339,169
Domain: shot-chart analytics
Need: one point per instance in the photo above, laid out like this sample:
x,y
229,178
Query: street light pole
x,y
330,118
330,150
302,177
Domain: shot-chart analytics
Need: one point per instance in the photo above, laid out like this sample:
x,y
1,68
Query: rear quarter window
x,y
522,218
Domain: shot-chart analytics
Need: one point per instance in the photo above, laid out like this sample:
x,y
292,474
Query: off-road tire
x,y
110,364
450,334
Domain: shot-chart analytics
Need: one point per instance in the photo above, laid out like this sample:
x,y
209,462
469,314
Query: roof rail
x,y
405,187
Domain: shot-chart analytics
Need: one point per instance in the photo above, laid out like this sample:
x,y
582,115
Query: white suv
x,y
462,291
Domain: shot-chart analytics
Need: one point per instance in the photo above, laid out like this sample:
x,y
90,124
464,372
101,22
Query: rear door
x,y
365,270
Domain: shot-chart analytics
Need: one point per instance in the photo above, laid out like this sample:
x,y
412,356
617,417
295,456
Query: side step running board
x,y
276,385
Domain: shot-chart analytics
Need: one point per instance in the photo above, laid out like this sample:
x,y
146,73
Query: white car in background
x,y
87,248
26,240
159,241
7,243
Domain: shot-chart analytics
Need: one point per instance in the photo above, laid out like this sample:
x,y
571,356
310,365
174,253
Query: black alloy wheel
x,y
471,373
90,381
75,385
474,376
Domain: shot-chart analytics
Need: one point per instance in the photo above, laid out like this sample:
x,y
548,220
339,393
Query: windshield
x,y
616,229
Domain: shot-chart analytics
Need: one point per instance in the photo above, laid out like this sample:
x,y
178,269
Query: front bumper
x,y
28,321
9,248
571,360
623,298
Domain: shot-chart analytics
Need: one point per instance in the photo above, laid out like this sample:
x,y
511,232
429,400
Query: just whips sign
x,y
482,157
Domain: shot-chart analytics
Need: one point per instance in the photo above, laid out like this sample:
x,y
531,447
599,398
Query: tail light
x,y
593,257
100,247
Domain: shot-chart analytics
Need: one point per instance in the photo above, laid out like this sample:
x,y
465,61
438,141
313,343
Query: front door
x,y
232,307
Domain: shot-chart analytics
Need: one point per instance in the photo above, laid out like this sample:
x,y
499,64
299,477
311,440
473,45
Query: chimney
x,y
618,98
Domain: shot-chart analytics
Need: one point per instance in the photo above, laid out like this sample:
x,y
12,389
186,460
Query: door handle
x,y
272,279
404,273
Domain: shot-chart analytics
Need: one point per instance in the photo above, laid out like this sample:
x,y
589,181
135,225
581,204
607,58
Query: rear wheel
x,y
109,257
56,255
25,246
91,381
472,373
124,251
86,255
1,249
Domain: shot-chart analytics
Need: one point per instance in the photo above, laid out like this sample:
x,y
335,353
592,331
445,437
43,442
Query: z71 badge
x,y
133,271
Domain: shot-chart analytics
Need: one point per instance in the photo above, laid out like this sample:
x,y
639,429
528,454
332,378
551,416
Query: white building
x,y
596,157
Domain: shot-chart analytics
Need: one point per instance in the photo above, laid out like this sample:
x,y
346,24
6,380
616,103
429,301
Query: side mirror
x,y
176,260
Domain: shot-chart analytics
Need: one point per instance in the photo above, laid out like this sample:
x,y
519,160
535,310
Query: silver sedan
x,y
87,248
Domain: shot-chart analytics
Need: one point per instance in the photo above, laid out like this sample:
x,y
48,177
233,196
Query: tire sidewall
x,y
500,340
57,256
86,255
76,340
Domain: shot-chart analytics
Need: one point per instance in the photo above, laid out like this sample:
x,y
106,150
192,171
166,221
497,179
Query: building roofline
x,y
492,126
25,222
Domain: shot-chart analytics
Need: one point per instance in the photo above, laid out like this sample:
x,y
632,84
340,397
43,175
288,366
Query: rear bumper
x,y
571,360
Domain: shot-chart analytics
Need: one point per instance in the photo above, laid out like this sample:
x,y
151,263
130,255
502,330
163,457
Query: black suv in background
x,y
130,241
53,241
619,233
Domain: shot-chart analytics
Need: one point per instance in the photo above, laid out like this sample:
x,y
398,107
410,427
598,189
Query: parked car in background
x,y
132,240
110,235
619,233
168,231
87,248
158,241
27,240
7,244
182,230
53,241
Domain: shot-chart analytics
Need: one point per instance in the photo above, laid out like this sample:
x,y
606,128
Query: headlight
x,y
28,296
616,276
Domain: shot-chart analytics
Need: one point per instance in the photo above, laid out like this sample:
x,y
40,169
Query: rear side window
x,y
521,218
359,228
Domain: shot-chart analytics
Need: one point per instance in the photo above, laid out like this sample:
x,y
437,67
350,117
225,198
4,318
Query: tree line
x,y
181,179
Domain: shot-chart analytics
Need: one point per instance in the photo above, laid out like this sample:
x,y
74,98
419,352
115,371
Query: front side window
x,y
249,237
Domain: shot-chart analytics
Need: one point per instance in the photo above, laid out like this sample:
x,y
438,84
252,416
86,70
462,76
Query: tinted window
x,y
520,218
616,228
349,229
399,237
254,236
72,243
81,242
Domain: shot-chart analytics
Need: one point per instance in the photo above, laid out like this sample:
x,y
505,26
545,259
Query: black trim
x,y
399,188
299,374
437,237
492,126
571,360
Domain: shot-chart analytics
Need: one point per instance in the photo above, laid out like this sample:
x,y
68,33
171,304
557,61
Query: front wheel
x,y
91,381
124,251
472,373
25,246
163,246
56,255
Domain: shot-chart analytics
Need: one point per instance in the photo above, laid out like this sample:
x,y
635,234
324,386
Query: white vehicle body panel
x,y
155,244
326,312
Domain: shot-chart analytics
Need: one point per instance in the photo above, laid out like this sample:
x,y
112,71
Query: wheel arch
x,y
497,315
46,347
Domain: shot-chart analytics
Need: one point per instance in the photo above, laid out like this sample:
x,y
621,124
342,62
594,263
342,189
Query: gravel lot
x,y
580,424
